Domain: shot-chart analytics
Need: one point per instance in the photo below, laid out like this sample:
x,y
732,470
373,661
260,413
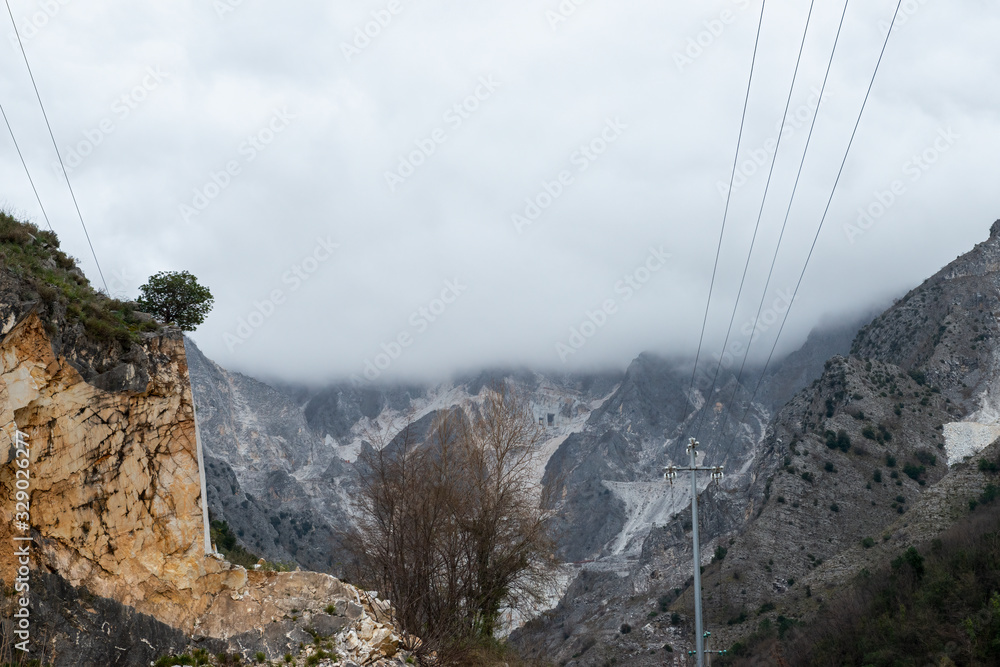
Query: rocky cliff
x,y
116,495
116,511
97,424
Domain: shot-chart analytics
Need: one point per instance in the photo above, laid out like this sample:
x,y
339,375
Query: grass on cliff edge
x,y
48,275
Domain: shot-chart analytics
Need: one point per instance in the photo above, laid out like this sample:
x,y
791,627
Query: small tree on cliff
x,y
452,530
175,297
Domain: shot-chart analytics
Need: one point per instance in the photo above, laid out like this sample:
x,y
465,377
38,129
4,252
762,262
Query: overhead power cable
x,y
56,147
26,170
784,225
760,214
825,214
729,196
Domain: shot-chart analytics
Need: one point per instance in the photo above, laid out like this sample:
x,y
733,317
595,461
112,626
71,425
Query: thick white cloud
x,y
308,128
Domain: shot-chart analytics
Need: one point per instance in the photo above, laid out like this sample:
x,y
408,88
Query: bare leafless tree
x,y
452,529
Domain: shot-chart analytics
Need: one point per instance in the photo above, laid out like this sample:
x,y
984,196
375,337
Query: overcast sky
x,y
277,150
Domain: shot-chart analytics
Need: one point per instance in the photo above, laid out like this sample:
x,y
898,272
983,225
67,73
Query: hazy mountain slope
x,y
335,410
806,364
919,389
280,461
925,372
255,438
619,513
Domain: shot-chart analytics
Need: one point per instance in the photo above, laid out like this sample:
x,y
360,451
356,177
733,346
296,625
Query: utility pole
x,y
670,474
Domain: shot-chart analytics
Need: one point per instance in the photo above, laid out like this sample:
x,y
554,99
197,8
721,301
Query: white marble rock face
x,y
965,439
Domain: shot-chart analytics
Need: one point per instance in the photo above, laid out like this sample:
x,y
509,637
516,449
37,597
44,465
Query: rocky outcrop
x,y
116,511
115,489
275,612
72,626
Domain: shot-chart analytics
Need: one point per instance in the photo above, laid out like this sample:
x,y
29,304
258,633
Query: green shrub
x,y
765,608
736,620
843,441
228,546
784,625
989,494
12,231
171,660
913,559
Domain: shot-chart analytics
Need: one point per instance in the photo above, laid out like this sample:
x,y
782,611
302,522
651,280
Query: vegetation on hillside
x,y
938,604
235,553
47,275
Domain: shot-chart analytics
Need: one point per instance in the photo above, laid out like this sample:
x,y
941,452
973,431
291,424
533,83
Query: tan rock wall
x,y
115,489
116,499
